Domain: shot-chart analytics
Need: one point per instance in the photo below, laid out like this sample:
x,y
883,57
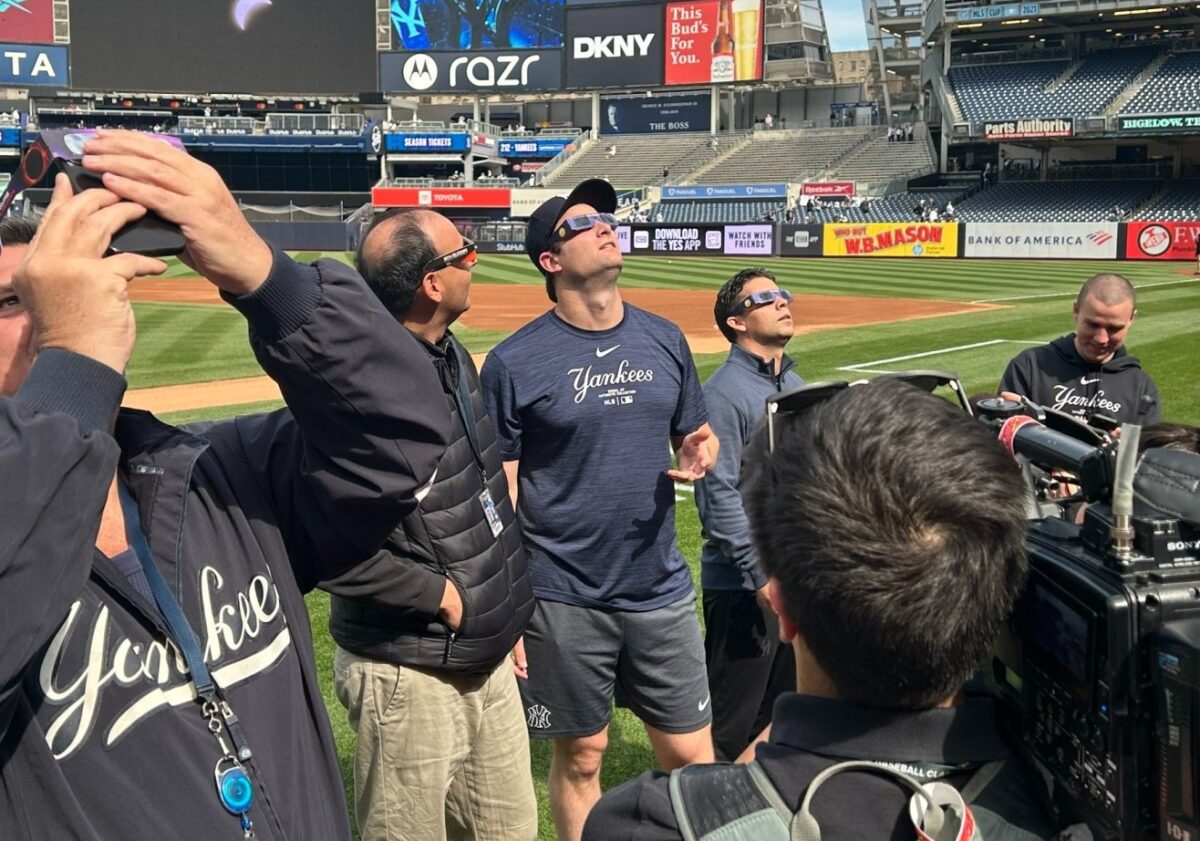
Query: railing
x,y
295,213
220,125
1092,172
422,125
555,163
1012,57
448,182
339,123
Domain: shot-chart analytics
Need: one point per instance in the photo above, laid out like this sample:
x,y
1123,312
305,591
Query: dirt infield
x,y
498,307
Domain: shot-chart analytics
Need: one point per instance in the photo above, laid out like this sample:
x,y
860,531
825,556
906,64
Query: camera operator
x,y
154,635
891,579
1089,371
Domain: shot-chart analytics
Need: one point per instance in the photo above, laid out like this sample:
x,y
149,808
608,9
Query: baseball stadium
x,y
932,199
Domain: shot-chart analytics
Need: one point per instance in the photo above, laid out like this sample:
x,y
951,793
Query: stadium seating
x,y
717,211
1174,89
774,156
640,158
897,207
1004,91
1049,201
880,160
1179,202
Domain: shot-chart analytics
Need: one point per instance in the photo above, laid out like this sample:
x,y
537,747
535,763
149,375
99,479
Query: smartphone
x,y
60,150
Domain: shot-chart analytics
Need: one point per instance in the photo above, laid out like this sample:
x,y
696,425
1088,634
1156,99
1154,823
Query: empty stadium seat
x,y
1055,201
1179,202
700,212
1174,89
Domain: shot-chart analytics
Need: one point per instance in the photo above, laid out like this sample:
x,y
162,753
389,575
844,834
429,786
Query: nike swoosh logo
x,y
600,354
702,704
1082,381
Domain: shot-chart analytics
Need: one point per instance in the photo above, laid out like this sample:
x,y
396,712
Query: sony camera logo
x,y
612,46
480,71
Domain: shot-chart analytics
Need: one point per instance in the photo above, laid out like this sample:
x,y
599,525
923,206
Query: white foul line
x,y
1073,293
862,368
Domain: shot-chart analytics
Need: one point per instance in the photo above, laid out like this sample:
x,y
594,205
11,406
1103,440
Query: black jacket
x,y
1057,377
387,608
809,734
100,734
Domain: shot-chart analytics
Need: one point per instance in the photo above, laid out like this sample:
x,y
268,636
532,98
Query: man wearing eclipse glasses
x,y
748,667
433,616
584,399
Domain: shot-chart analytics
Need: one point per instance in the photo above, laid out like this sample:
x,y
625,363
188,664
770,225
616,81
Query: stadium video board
x,y
480,71
643,115
27,22
622,49
423,25
224,46
713,41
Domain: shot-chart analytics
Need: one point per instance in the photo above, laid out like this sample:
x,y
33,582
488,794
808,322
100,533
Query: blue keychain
x,y
236,792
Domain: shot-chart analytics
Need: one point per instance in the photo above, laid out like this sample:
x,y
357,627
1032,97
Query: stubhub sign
x,y
727,191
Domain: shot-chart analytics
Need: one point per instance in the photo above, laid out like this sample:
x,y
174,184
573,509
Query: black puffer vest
x,y
449,534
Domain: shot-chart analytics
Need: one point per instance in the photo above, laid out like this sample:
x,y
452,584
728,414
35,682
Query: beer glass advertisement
x,y
641,115
713,41
476,24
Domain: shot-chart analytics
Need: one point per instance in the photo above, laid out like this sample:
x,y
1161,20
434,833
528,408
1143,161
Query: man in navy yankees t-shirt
x,y
584,400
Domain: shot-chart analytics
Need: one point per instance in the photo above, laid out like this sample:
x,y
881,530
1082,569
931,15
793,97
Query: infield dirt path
x,y
498,307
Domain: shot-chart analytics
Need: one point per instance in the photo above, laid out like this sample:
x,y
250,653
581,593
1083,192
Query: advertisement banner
x,y
1159,122
607,49
302,46
528,199
1022,10
27,22
749,239
633,115
500,247
726,191
422,25
679,240
528,166
1048,240
496,197
26,65
534,147
920,239
1028,129
10,136
801,240
713,41
477,71
427,142
1161,240
828,188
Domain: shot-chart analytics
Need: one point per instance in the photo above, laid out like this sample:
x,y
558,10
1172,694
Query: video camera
x,y
1102,653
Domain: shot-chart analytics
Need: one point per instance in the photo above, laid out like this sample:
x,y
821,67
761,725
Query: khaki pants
x,y
440,754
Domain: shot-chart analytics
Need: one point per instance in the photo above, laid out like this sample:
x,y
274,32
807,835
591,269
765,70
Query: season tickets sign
x,y
1054,240
932,239
1161,240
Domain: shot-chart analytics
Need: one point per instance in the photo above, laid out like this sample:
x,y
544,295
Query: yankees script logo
x,y
583,380
1065,399
112,661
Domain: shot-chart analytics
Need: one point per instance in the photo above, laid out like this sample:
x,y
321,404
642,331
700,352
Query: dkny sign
x,y
512,71
614,48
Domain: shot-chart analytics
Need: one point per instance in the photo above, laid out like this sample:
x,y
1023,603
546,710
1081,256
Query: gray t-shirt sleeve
x,y
691,412
500,398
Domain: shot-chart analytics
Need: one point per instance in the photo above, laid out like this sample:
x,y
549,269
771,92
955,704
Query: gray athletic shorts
x,y
580,658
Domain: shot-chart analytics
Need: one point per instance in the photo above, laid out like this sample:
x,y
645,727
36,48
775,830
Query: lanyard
x,y
466,412
234,787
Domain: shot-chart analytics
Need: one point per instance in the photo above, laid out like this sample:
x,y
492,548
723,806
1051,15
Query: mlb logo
x,y
425,197
800,239
641,239
712,239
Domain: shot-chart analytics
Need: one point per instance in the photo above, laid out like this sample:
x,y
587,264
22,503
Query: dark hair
x,y
1171,436
730,293
18,230
394,271
895,525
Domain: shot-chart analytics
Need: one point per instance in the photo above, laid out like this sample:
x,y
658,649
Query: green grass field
x,y
180,344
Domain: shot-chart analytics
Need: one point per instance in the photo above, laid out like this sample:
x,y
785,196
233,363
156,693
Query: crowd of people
x,y
499,545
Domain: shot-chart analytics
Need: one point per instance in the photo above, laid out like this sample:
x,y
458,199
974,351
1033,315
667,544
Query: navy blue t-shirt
x,y
588,413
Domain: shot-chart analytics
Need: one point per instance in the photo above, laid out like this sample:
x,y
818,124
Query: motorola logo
x,y
420,72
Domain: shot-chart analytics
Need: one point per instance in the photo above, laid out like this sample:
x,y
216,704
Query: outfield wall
x,y
925,240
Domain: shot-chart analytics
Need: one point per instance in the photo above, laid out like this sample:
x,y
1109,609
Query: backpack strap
x,y
980,780
804,826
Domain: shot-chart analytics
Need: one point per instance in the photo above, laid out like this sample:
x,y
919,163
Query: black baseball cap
x,y
539,231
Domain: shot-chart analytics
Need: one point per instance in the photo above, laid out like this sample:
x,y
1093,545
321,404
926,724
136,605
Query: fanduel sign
x,y
479,70
614,48
727,191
